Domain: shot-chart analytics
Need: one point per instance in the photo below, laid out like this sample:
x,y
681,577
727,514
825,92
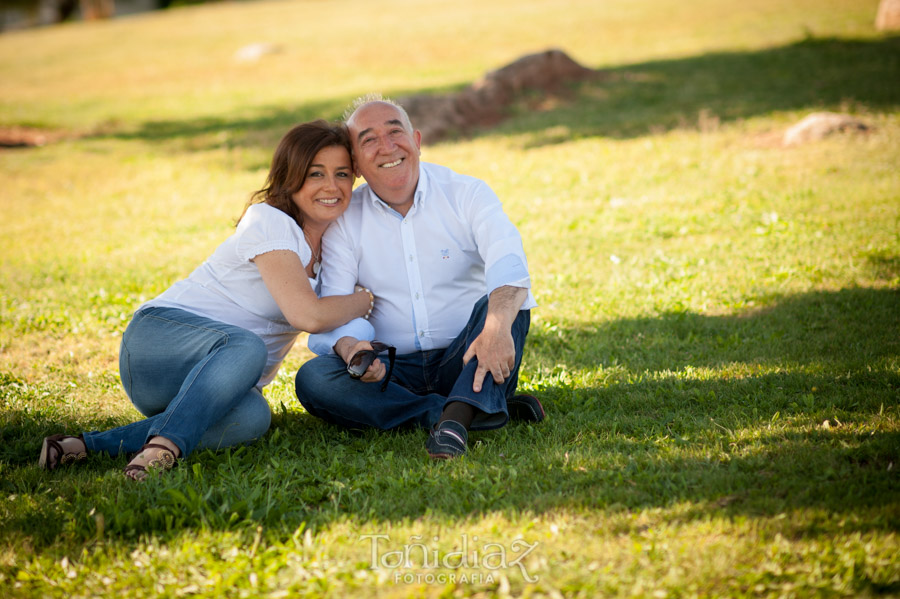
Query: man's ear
x,y
417,136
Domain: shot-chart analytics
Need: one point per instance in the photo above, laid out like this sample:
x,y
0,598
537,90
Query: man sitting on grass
x,y
453,289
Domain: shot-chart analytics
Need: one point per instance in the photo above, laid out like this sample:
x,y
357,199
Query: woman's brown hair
x,y
290,163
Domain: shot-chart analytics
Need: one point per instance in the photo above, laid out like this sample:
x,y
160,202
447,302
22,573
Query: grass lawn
x,y
717,343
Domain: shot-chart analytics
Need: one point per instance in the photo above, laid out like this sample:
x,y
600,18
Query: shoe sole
x,y
535,416
45,450
444,456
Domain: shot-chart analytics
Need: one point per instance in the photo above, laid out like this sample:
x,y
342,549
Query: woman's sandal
x,y
164,460
54,455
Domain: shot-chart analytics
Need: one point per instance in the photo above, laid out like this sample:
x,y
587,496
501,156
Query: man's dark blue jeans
x,y
421,385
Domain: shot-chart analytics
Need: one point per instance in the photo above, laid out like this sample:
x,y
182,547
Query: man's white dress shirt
x,y
427,269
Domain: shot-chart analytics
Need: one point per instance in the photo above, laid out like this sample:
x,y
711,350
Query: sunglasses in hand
x,y
362,359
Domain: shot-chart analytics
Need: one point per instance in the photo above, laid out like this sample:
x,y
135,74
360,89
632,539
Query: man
x,y
452,295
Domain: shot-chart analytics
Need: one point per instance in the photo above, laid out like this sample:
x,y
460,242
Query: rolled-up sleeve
x,y
498,242
323,343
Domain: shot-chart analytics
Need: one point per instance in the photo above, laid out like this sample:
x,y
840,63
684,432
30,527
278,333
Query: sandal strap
x,y
54,445
165,459
60,456
155,446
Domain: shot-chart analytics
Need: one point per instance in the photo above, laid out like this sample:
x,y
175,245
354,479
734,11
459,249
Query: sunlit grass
x,y
717,342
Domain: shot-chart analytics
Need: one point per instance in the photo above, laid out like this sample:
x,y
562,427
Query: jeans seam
x,y
226,336
146,314
185,324
129,388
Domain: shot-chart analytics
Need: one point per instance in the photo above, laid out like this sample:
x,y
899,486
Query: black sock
x,y
460,412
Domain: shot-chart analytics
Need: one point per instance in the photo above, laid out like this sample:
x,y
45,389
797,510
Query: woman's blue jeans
x,y
194,378
421,385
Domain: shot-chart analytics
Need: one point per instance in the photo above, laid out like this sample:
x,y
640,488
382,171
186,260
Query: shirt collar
x,y
418,195
421,186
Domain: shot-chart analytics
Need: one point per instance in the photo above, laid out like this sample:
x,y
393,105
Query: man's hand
x,y
346,347
493,347
496,354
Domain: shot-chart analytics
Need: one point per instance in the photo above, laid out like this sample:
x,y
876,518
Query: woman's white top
x,y
228,287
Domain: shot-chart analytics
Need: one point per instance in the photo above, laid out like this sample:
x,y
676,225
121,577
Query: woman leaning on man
x,y
193,359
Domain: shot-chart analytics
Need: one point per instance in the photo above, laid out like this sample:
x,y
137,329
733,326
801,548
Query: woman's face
x,y
326,191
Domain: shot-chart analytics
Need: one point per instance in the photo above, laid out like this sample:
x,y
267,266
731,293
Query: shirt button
x,y
421,333
417,295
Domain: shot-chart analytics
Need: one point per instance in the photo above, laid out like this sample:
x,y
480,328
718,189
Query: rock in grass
x,y
484,102
253,52
819,125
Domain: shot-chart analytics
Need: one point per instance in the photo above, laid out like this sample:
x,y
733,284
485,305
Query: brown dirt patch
x,y
27,137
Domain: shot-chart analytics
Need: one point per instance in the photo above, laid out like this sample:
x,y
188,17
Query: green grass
x,y
717,342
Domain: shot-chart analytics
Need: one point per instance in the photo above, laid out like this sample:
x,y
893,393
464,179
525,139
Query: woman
x,y
193,360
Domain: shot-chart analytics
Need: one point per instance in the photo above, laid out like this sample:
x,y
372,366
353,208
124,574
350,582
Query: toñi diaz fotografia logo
x,y
472,560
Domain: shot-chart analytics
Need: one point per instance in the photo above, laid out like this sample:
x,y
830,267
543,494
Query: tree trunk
x,y
888,18
91,10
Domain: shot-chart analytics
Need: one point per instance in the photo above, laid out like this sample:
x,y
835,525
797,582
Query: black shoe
x,y
526,408
447,440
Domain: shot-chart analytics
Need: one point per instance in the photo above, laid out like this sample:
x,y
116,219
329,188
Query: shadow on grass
x,y
834,330
260,127
631,100
700,92
652,431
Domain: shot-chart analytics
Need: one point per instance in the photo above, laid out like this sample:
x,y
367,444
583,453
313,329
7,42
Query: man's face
x,y
386,152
